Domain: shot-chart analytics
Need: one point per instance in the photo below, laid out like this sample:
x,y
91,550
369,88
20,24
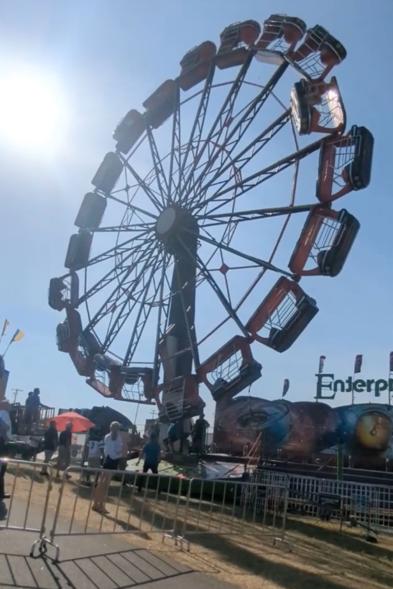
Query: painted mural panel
x,y
306,431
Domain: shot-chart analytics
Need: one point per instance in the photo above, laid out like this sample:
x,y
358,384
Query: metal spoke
x,y
113,251
107,278
259,177
108,304
233,136
175,146
251,215
135,227
205,272
263,263
139,327
128,205
241,160
221,120
197,128
146,189
116,324
159,170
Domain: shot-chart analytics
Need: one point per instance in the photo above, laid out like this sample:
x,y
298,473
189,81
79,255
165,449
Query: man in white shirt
x,y
113,447
113,452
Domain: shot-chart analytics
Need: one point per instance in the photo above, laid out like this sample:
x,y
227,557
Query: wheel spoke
x,y
262,263
175,147
106,307
108,278
146,189
197,128
241,160
135,227
126,307
209,278
251,215
141,317
222,118
259,177
128,205
113,251
159,170
233,136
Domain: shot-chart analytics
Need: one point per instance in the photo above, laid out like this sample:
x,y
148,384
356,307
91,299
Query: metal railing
x,y
361,503
27,506
234,508
97,501
172,506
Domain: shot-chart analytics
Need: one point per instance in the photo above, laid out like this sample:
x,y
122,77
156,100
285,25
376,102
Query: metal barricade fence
x,y
172,506
118,502
233,508
364,503
27,507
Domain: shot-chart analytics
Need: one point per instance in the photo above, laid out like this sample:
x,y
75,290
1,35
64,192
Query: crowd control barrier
x,y
97,501
174,507
364,504
26,508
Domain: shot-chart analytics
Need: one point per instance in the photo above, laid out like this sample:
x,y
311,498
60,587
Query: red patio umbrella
x,y
79,423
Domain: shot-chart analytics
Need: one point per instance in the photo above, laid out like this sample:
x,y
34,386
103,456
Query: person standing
x,y
29,409
94,451
65,439
199,434
151,454
113,452
113,447
35,406
51,440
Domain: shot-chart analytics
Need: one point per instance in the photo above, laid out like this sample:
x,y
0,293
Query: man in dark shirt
x,y
50,444
199,434
65,439
151,454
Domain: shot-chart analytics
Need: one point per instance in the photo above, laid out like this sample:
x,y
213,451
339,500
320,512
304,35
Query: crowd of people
x,y
109,454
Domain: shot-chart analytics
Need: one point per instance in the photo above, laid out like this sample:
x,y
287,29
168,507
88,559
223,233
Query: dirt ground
x,y
313,555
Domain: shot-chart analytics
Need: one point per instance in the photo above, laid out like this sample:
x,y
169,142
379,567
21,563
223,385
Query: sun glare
x,y
32,112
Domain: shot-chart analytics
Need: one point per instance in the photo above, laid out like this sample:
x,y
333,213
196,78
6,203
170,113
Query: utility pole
x,y
16,391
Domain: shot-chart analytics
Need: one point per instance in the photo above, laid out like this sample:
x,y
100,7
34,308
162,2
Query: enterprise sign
x,y
327,382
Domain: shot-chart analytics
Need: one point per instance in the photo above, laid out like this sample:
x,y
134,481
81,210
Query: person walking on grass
x,y
113,452
151,454
51,440
64,458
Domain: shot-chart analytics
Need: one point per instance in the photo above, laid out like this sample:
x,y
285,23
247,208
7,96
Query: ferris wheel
x,y
204,220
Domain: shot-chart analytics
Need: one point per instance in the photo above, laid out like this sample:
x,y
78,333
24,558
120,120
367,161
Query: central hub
x,y
175,226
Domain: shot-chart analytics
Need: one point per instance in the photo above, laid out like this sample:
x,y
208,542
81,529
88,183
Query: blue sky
x,y
106,57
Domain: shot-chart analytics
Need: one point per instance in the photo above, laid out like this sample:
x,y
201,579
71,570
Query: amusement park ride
x,y
203,192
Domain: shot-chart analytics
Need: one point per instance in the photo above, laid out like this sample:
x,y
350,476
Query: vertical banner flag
x,y
5,325
358,363
391,362
285,387
321,364
18,335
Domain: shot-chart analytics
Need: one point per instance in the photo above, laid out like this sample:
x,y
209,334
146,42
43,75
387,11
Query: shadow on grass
x,y
155,518
342,540
285,575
